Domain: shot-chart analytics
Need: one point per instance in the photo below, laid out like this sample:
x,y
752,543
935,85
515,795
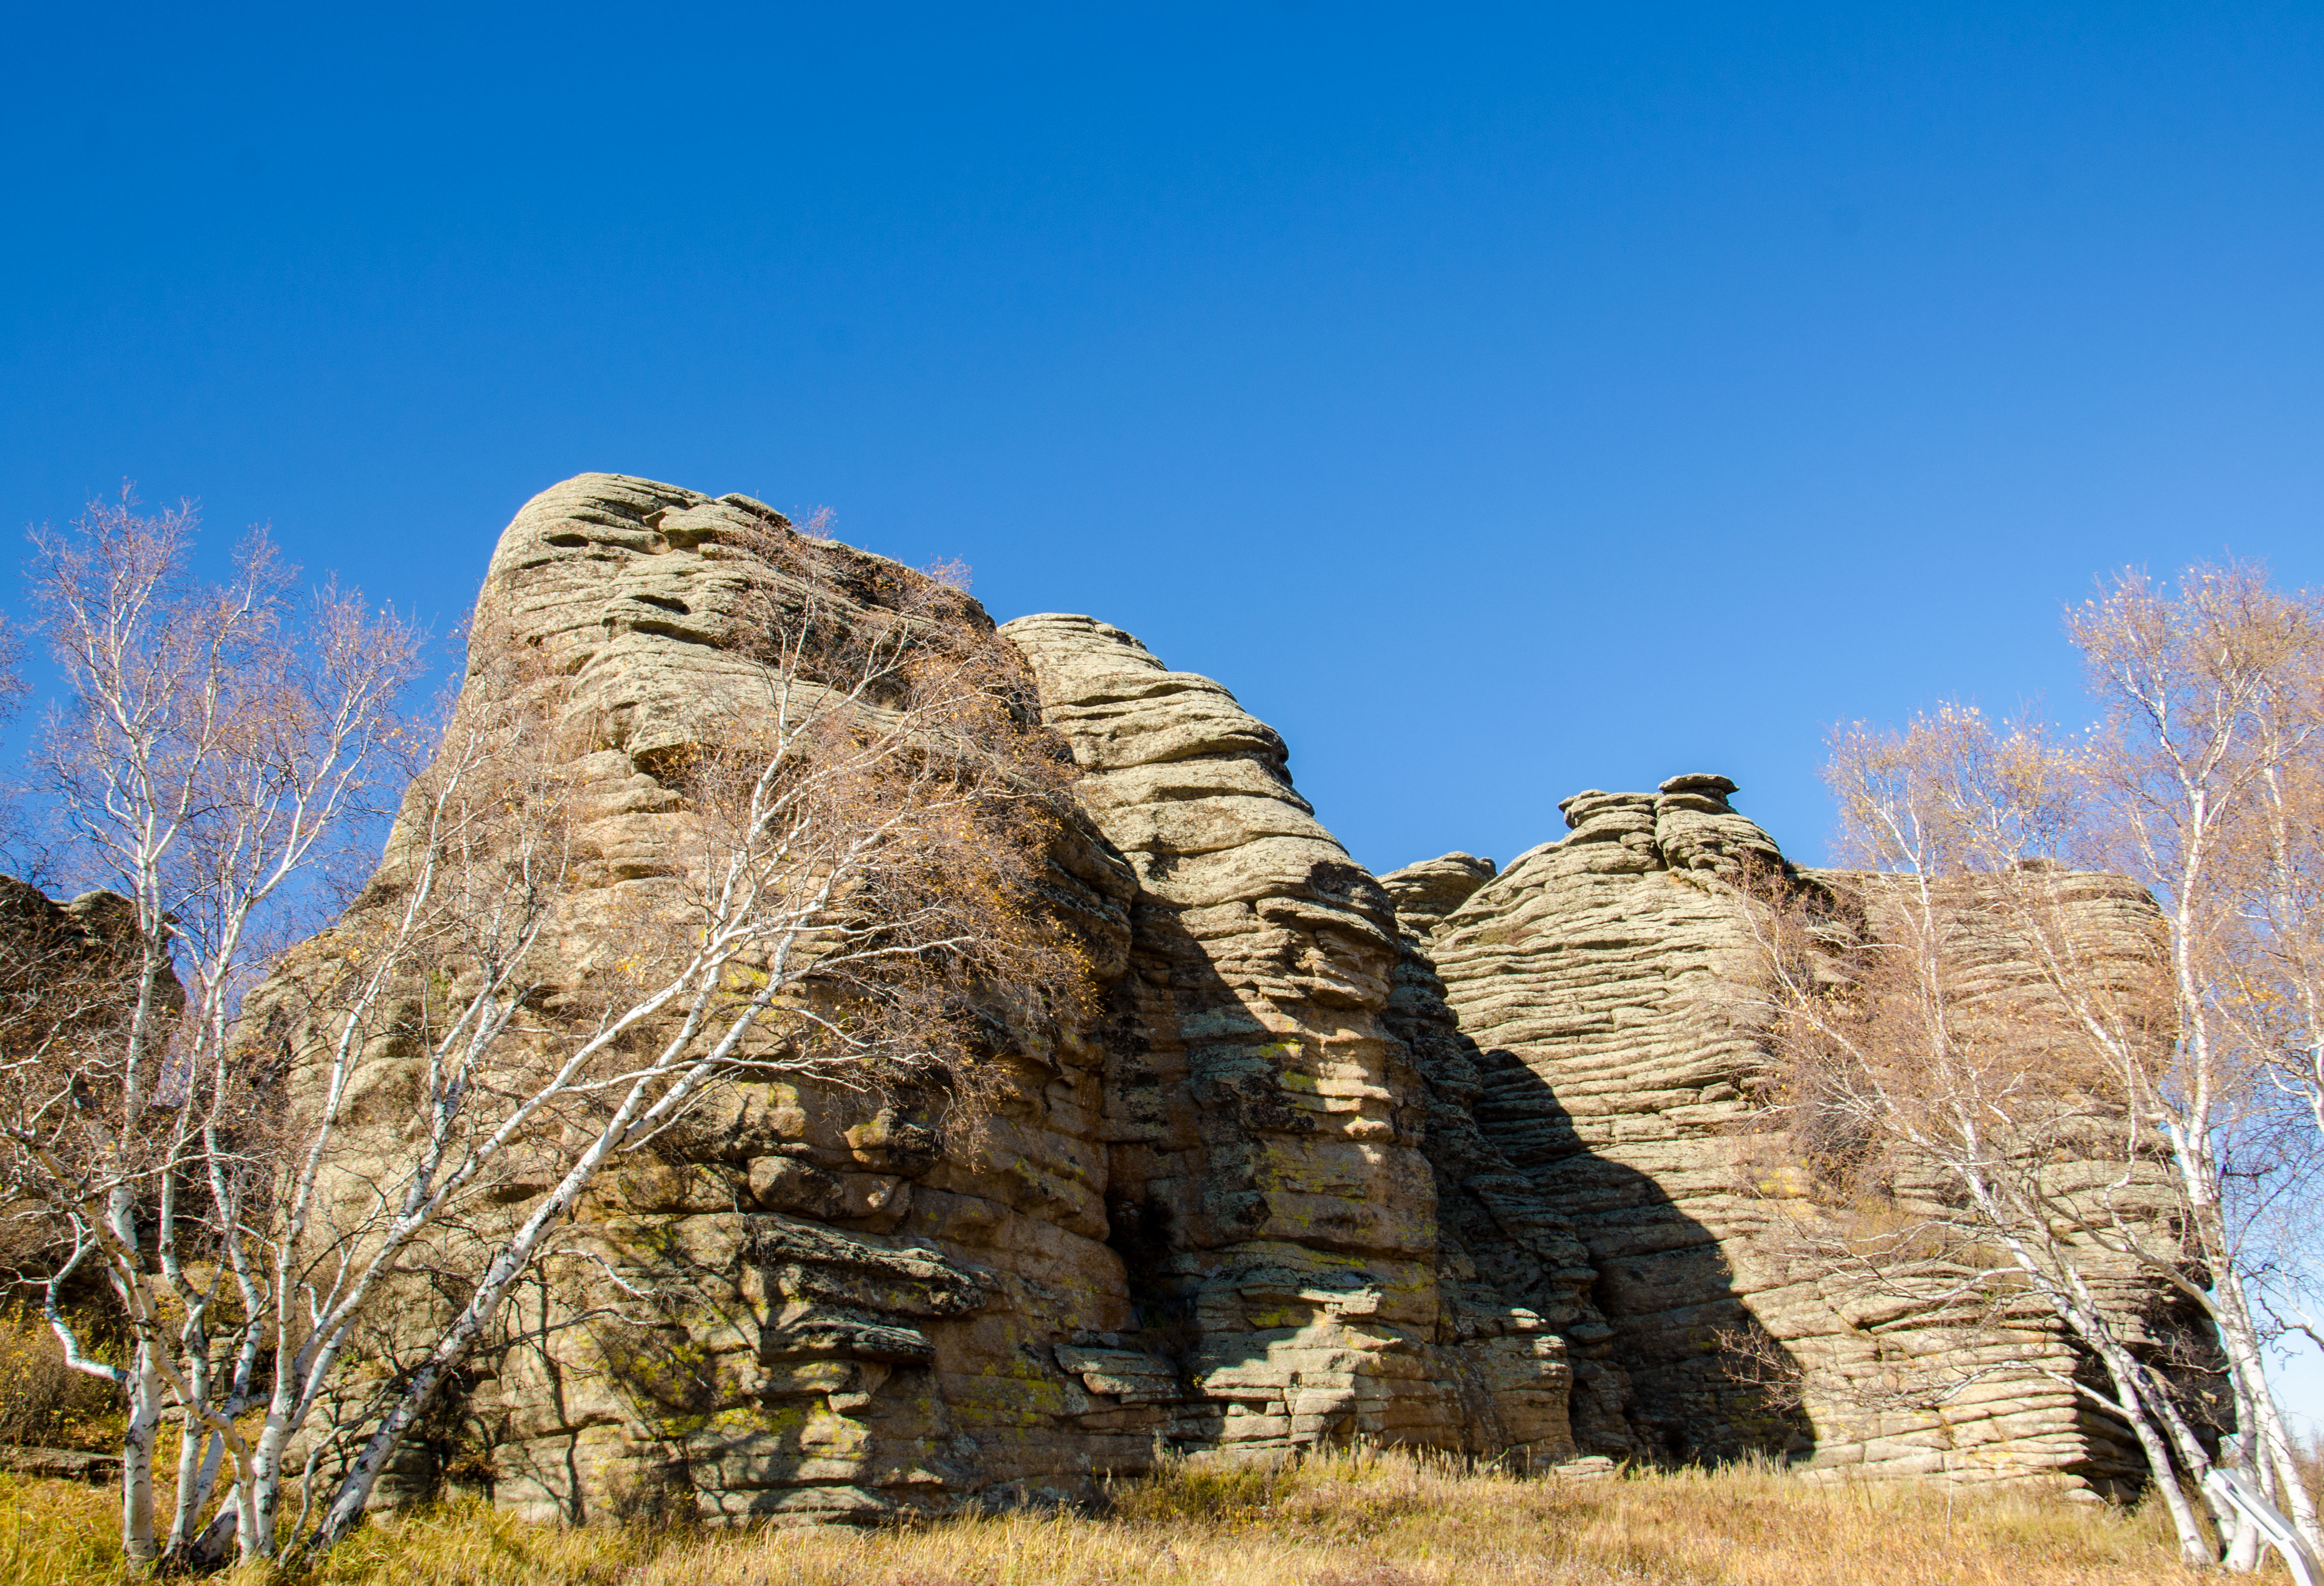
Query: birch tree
x,y
2191,1067
1983,1159
2211,734
216,751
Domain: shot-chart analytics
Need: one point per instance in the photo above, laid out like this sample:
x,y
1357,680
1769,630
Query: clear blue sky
x,y
1501,401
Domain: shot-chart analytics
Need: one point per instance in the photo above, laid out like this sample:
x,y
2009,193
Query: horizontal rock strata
x,y
1264,1118
847,1318
1593,983
1461,1156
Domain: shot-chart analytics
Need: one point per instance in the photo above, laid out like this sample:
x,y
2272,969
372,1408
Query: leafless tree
x,y
1980,1159
13,690
12,660
2203,766
214,754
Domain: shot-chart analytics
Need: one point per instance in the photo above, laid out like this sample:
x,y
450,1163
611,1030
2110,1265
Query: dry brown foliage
x,y
2040,1084
44,1402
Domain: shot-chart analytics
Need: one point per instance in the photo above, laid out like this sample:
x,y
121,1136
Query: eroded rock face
x,y
1209,1224
1455,1156
1581,980
67,969
1268,1124
805,1303
1503,1239
1590,983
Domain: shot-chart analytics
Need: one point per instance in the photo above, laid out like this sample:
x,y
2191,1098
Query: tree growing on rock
x,y
2058,1028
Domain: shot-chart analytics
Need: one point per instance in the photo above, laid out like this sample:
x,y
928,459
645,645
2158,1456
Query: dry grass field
x,y
1354,1520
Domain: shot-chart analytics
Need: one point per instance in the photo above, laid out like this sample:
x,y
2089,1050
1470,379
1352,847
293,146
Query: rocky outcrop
x,y
805,1304
1267,1124
1458,1156
1206,1224
1501,1239
1580,979
1592,984
68,971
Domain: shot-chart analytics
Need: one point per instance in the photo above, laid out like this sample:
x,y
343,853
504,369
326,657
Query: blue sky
x,y
1501,401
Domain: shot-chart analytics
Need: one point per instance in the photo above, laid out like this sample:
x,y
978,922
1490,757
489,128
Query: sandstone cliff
x,y
1267,1123
1455,1156
801,1304
1592,983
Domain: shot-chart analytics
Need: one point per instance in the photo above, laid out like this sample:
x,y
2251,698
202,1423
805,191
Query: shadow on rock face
x,y
1596,1011
1279,1241
1677,1321
1446,1158
1583,1138
797,1301
1641,1290
1268,1179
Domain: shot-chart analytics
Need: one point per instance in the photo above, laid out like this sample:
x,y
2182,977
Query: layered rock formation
x,y
66,969
801,1304
1453,1157
1593,981
1266,1120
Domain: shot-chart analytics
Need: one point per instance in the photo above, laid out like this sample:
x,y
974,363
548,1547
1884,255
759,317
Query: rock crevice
x,y
1266,1118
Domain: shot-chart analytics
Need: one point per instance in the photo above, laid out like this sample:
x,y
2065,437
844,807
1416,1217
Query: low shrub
x,y
44,1402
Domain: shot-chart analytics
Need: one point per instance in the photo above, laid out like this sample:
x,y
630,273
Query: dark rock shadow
x,y
1528,1217
1706,1381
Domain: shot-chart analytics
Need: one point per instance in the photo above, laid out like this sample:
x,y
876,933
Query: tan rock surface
x,y
1452,1157
841,1316
1592,982
1270,1128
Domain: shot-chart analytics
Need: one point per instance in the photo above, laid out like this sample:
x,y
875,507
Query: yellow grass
x,y
1387,1520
